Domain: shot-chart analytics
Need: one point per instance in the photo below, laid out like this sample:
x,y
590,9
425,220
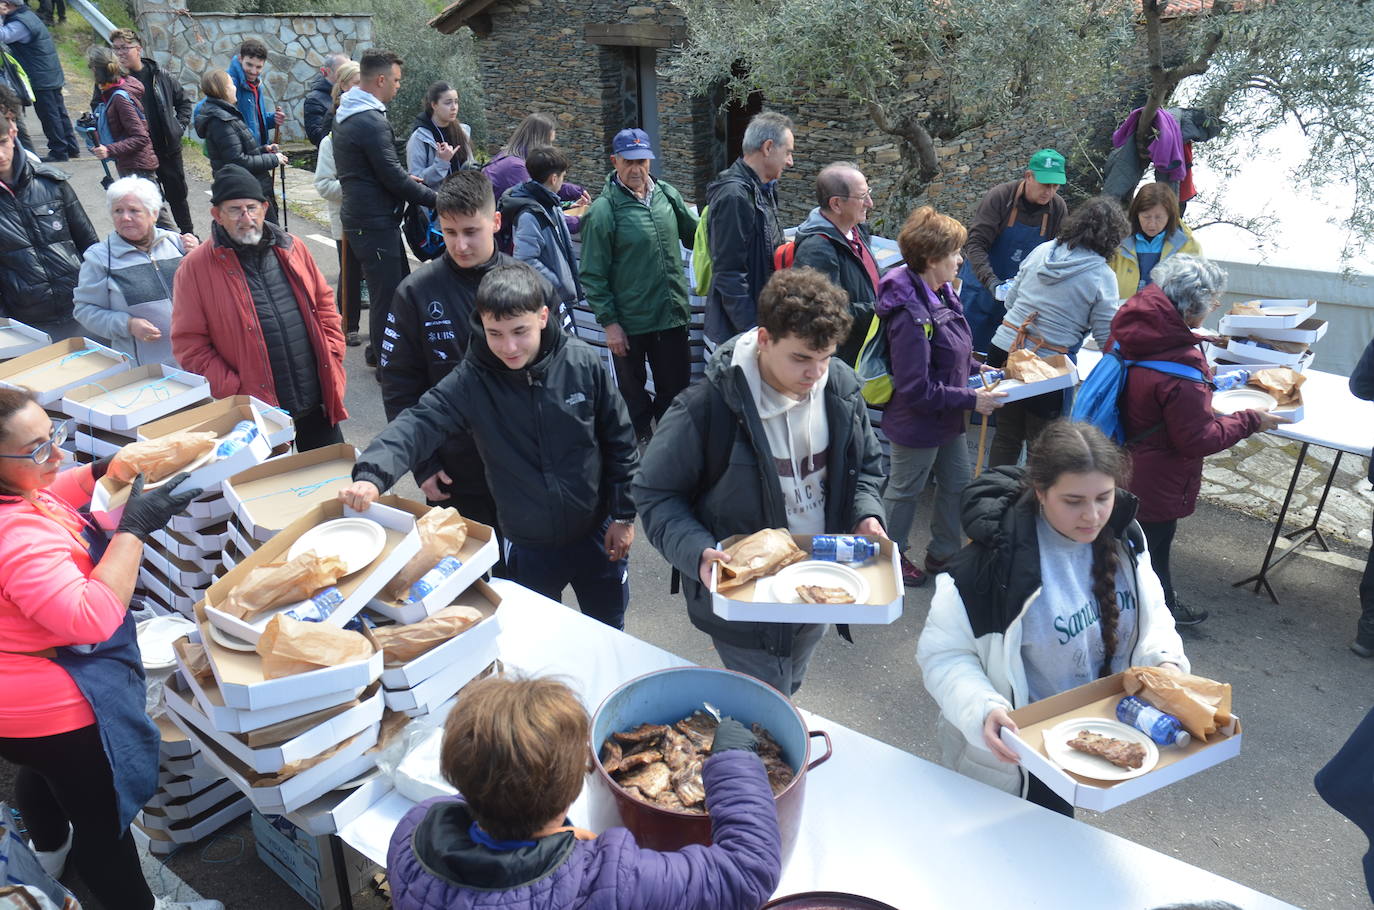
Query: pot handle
x,y
829,748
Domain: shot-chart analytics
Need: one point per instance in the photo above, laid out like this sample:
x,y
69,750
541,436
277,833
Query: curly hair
x,y
805,303
1069,447
928,235
1097,224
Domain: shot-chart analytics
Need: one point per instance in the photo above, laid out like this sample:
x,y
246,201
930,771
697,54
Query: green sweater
x,y
632,260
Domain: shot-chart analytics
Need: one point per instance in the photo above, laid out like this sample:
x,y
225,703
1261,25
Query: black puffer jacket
x,y
376,186
229,141
708,474
319,110
43,233
556,438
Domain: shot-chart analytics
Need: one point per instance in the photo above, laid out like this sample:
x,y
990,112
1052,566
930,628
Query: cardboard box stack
x,y
307,863
193,799
1270,333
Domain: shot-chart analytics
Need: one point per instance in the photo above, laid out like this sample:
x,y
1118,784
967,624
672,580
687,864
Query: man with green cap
x,y
1012,219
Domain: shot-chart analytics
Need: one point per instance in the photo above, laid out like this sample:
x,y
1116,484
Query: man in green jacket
x,y
633,278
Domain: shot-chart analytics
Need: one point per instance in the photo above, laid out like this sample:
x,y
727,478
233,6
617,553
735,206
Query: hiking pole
x,y
982,444
285,219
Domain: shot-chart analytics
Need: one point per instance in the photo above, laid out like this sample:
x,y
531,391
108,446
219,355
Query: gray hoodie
x,y
354,101
1069,292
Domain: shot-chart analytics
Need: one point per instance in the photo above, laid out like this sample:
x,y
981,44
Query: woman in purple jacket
x,y
932,358
507,169
516,749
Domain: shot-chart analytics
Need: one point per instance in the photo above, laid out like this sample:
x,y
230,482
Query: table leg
x,y
1312,531
340,873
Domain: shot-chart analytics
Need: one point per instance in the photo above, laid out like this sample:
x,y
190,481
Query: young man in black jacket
x,y
375,186
554,434
777,436
168,111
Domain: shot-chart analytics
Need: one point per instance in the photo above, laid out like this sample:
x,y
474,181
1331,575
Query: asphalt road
x,y
1255,819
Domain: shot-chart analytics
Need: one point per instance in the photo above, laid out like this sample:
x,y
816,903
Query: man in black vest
x,y
32,46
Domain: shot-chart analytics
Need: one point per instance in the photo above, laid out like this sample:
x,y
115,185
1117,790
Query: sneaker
x,y
934,566
354,339
1183,616
52,158
1363,647
54,862
370,356
165,904
912,577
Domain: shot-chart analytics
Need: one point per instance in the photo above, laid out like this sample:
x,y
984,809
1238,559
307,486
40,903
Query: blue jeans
x,y
602,586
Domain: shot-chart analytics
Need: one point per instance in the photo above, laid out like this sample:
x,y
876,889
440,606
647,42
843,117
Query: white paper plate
x,y
155,637
1280,310
231,642
782,587
1056,747
1234,400
356,541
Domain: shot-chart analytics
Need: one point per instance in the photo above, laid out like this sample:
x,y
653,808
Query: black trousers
x,y
172,175
349,295
1159,537
314,431
1365,632
667,354
24,139
57,123
1043,796
385,266
66,778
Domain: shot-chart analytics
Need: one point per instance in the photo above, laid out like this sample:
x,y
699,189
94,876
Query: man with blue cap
x,y
633,278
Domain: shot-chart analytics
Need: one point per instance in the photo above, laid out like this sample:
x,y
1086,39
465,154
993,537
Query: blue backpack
x,y
1098,399
102,115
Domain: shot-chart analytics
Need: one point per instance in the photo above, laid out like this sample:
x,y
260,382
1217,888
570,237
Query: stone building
x,y
595,65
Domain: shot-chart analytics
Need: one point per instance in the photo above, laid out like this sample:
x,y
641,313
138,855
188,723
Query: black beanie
x,y
232,181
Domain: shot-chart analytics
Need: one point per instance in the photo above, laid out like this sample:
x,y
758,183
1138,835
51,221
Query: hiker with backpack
x,y
535,218
120,120
1167,419
931,352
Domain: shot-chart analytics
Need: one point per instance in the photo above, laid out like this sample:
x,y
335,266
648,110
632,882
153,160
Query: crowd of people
x,y
497,409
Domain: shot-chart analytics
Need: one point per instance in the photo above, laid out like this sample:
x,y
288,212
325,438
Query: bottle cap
x,y
1182,739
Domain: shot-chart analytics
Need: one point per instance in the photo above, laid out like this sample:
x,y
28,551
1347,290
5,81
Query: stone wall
x,y
188,45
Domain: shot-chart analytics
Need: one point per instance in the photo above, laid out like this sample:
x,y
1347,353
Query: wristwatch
x,y
628,522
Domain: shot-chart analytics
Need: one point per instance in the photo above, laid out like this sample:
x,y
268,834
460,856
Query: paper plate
x,y
356,541
1056,747
199,463
1234,400
782,587
1280,310
224,639
155,637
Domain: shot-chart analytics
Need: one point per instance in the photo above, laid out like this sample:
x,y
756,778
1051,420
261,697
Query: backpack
x,y
102,115
784,256
701,257
1098,399
874,364
424,236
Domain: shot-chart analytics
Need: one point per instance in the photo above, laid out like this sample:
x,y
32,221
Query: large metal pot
x,y
665,696
825,900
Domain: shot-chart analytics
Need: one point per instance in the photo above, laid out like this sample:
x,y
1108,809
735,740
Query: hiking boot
x,y
354,339
934,566
1183,616
370,356
1362,646
912,577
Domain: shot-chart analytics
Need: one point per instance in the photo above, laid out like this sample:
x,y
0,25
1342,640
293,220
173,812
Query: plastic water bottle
x,y
1003,290
244,432
1233,380
433,578
318,607
1163,728
842,548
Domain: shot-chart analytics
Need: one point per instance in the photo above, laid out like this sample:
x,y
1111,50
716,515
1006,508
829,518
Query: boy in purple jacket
x,y
516,749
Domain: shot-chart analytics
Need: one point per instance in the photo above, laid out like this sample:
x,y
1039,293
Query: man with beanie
x,y
376,187
254,315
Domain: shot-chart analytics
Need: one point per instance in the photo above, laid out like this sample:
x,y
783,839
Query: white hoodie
x,y
355,101
798,438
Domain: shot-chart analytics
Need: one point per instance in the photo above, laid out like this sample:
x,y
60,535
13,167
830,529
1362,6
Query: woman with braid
x,y
1055,590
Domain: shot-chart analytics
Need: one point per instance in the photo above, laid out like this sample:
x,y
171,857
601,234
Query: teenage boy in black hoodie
x,y
554,434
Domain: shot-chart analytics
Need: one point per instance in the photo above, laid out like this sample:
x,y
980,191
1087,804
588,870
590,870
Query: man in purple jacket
x,y
517,751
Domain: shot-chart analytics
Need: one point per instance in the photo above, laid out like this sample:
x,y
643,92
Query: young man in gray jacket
x,y
777,436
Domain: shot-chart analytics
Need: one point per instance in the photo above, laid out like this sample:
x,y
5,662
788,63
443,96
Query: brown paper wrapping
x,y
291,769
1202,705
1281,382
197,660
1025,366
1287,347
761,553
158,459
289,646
442,533
1249,308
279,583
405,643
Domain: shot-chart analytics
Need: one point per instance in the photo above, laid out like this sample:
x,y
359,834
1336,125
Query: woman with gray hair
x,y
124,293
1169,422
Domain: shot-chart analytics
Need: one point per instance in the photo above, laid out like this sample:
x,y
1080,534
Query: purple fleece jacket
x,y
738,872
930,392
506,171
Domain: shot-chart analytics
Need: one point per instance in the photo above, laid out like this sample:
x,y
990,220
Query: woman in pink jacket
x,y
72,713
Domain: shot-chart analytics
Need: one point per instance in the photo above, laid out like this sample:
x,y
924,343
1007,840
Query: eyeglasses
x,y
238,211
41,454
867,196
121,48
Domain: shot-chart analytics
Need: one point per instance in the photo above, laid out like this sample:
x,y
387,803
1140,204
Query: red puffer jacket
x,y
215,329
1167,464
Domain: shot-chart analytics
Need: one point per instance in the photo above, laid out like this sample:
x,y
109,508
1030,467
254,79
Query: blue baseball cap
x,y
632,144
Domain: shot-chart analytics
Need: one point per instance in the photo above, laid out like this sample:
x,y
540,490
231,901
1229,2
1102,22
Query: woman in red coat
x,y
1171,418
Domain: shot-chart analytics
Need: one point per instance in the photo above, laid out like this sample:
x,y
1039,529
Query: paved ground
x,y
1255,819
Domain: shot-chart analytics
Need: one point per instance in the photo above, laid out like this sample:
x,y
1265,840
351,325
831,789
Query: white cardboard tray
x,y
50,371
742,607
18,339
476,645
135,397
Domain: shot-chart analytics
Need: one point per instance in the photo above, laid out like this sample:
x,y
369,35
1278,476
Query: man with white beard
x,y
255,316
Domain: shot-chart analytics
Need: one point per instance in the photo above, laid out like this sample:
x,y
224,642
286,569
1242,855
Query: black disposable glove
x,y
731,734
100,466
145,513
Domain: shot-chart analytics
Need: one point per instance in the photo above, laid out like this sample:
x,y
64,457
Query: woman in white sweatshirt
x,y
1055,590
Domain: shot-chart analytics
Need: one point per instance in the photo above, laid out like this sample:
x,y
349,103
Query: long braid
x,y
1105,560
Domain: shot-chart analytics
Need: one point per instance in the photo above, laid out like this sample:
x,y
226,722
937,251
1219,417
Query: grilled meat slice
x,y
642,733
815,594
688,785
651,779
611,755
1117,751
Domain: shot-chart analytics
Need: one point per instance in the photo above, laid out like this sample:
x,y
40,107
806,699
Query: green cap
x,y
1047,166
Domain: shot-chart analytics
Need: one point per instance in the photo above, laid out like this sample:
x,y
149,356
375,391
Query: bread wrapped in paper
x,y
1025,366
761,553
289,646
158,459
277,584
1281,382
442,533
1248,308
405,643
196,658
1202,705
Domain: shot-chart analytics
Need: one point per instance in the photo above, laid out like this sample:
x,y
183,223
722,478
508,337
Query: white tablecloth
x,y
877,820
